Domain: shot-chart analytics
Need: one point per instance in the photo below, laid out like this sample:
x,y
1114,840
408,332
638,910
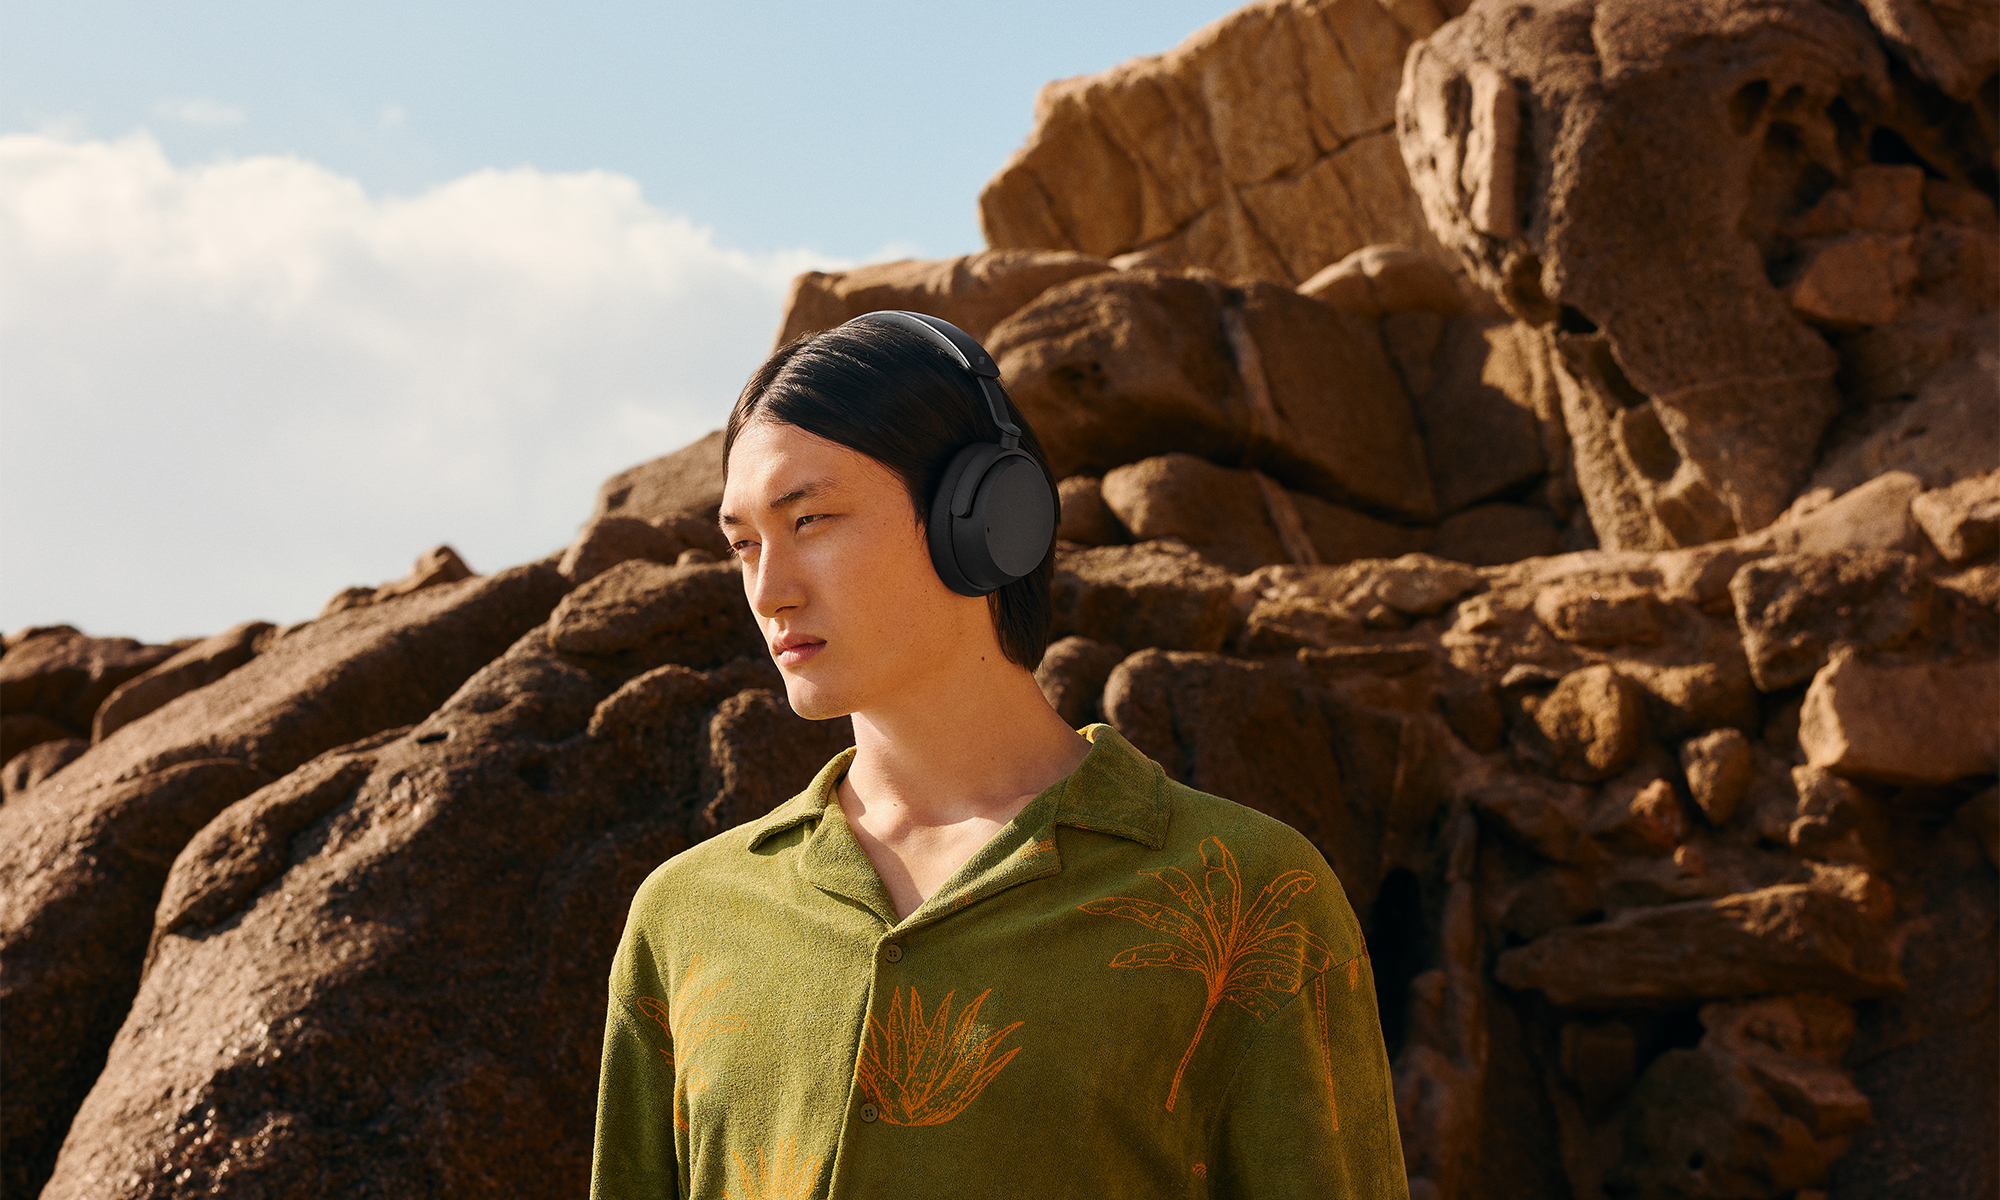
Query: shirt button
x,y
868,1112
893,952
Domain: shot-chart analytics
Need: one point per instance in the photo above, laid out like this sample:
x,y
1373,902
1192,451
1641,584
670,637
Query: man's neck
x,y
934,778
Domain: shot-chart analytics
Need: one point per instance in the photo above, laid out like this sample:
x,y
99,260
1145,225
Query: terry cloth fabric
x,y
1134,989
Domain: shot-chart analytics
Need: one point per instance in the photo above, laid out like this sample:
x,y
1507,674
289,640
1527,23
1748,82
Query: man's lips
x,y
796,648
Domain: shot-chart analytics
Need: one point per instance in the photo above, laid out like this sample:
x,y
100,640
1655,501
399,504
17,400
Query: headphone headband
x,y
968,354
993,516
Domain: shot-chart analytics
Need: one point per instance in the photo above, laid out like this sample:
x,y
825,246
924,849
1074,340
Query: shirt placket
x,y
835,862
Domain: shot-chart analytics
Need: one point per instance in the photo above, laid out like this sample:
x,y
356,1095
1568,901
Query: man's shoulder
x,y
1226,844
1195,816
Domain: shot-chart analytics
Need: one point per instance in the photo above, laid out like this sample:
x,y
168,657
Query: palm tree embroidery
x,y
783,1177
1241,953
687,1028
918,1074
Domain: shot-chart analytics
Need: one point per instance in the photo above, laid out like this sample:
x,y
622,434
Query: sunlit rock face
x,y
1545,452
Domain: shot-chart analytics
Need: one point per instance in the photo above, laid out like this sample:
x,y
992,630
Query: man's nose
x,y
774,583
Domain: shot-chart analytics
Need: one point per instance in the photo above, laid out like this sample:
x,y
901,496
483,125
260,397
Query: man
x,y
981,954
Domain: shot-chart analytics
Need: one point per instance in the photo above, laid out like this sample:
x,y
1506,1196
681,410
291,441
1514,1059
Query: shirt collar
x,y
1115,790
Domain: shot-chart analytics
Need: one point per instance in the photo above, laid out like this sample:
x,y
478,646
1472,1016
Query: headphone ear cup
x,y
1013,520
1009,519
944,556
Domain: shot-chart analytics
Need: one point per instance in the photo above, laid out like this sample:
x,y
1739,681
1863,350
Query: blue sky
x,y
840,128
291,292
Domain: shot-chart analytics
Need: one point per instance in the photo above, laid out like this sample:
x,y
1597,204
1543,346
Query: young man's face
x,y
838,573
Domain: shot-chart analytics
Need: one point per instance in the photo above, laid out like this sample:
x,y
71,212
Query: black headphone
x,y
994,515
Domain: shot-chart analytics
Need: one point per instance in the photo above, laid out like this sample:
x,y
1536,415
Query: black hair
x,y
889,394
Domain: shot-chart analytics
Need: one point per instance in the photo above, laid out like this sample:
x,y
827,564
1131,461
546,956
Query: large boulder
x,y
973,291
83,855
1244,519
686,483
1119,367
448,886
1261,147
1617,172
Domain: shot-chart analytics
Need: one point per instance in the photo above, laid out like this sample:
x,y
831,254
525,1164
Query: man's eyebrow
x,y
806,491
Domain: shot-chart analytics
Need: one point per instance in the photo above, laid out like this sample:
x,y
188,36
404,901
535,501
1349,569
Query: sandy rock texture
x,y
1263,147
1548,452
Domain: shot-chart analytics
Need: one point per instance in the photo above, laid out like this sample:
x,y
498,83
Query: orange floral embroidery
x,y
916,1073
1044,846
1241,954
687,1028
784,1177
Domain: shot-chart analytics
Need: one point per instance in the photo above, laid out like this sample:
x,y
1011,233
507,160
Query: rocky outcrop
x,y
87,851
1263,147
1601,572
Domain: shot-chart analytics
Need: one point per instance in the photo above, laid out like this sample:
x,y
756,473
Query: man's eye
x,y
809,519
739,549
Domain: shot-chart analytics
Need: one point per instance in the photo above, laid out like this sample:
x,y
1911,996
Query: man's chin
x,y
812,703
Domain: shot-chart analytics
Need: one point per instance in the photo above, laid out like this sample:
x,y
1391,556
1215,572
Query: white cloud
x,y
208,113
228,391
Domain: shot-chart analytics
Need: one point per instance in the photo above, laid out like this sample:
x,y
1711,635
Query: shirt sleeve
x,y
634,1156
1311,1112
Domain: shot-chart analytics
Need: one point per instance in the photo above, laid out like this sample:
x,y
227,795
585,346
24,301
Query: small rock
x,y
610,540
1072,675
1593,721
1223,514
1921,723
437,565
1835,820
1784,938
1963,520
1593,617
1086,520
1856,281
1718,766
1151,594
1794,608
1421,584
1658,817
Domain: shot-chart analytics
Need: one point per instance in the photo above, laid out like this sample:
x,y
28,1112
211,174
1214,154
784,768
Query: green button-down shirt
x,y
1134,989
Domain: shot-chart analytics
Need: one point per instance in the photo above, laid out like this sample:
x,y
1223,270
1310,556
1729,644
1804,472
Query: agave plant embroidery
x,y
687,1028
920,1072
784,1176
1242,954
